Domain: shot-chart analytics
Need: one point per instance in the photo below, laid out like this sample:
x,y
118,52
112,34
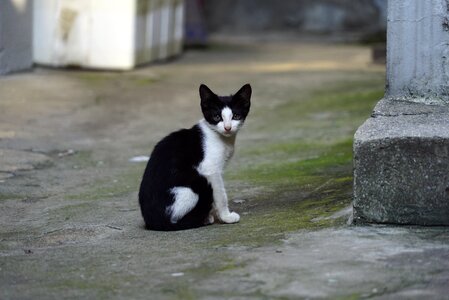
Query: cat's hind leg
x,y
210,218
185,202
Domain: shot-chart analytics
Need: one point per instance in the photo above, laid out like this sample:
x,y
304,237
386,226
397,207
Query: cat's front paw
x,y
230,217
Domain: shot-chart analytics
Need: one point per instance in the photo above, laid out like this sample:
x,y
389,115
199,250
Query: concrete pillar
x,y
401,154
418,50
15,35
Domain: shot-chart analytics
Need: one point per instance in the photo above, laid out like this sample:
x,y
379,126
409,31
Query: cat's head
x,y
225,114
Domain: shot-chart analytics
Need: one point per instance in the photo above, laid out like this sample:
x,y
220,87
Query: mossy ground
x,y
287,183
292,169
304,177
293,183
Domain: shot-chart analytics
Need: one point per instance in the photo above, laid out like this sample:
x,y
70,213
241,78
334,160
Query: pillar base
x,y
401,165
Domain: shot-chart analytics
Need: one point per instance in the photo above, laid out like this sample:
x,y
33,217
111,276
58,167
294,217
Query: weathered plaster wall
x,y
104,34
418,50
15,35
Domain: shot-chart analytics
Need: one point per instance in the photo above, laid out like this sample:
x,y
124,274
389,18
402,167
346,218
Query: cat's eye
x,y
217,118
236,116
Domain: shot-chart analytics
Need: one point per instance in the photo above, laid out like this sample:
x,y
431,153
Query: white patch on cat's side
x,y
185,201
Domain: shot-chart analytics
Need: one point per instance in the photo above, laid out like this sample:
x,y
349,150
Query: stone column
x,y
401,154
15,35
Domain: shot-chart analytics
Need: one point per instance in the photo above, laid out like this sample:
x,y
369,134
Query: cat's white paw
x,y
209,220
230,217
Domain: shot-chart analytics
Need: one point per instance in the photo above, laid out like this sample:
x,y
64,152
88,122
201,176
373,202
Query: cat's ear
x,y
243,96
206,95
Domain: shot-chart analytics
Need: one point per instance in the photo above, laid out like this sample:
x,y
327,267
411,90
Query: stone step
x,y
401,165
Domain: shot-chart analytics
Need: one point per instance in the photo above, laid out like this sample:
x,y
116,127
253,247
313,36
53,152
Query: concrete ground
x,y
70,226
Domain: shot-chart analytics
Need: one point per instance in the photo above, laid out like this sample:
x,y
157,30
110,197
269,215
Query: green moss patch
x,y
267,218
103,188
303,173
104,78
291,171
7,196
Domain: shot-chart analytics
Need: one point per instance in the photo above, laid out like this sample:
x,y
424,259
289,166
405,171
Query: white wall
x,y
105,34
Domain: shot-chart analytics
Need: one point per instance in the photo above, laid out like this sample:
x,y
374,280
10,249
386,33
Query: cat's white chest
x,y
217,152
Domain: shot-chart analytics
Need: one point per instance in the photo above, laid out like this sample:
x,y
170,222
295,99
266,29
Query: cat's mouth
x,y
227,133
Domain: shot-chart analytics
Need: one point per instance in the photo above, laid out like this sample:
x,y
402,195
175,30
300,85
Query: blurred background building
x,y
125,33
322,17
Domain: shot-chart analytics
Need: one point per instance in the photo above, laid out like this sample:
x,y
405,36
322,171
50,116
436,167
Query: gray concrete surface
x,y
400,153
401,163
69,220
16,35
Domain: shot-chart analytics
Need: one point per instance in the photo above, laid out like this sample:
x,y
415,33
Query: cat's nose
x,y
228,128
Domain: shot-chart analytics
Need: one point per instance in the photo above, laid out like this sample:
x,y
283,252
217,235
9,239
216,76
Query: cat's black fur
x,y
171,164
174,162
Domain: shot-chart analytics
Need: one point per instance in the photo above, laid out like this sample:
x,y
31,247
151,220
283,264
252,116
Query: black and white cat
x,y
182,186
